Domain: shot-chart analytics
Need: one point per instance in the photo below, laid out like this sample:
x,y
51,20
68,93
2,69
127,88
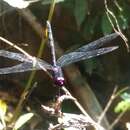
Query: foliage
x,y
85,11
106,26
123,105
91,21
3,110
80,11
22,120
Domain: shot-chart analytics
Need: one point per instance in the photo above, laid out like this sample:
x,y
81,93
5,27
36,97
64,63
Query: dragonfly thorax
x,y
58,76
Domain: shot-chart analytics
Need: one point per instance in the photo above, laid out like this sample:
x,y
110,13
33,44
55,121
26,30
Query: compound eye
x,y
59,81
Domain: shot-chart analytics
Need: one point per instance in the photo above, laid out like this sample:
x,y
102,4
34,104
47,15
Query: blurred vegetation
x,y
74,23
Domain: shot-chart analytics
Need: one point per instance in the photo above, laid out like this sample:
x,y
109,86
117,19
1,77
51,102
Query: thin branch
x,y
75,101
51,10
118,30
34,61
122,90
114,95
16,47
108,105
82,109
59,51
116,120
19,106
117,5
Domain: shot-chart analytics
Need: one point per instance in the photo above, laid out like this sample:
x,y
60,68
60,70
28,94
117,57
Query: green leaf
x,y
106,26
90,65
80,11
45,2
122,106
124,15
69,4
125,96
89,26
3,108
22,120
123,23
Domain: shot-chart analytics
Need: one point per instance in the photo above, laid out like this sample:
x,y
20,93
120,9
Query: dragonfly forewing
x,y
78,56
27,65
15,56
98,43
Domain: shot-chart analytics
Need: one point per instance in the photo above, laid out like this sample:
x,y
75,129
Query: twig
x,y
116,120
75,101
108,105
51,10
122,90
19,106
16,47
55,127
114,95
117,5
82,109
88,106
69,120
118,30
34,61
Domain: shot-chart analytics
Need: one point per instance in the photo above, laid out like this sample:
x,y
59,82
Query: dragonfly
x,y
93,49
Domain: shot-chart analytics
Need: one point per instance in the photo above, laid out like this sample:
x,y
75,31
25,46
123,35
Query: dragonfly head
x,y
58,76
59,81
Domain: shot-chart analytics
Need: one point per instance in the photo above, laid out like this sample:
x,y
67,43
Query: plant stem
x,y
108,105
32,75
97,126
51,10
116,120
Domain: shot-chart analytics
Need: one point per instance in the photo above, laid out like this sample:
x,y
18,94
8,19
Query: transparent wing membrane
x,y
98,43
14,55
78,56
17,68
85,52
27,64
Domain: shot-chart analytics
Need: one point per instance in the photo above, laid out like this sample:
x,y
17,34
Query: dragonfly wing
x,y
23,58
19,68
43,64
13,55
98,43
78,56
